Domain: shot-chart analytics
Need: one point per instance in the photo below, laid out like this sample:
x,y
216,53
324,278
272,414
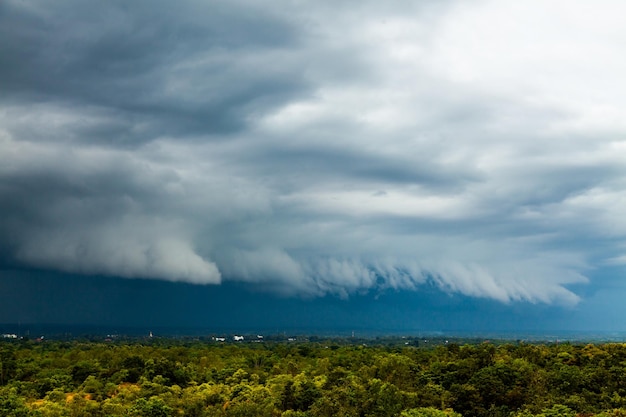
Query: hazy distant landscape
x,y
98,333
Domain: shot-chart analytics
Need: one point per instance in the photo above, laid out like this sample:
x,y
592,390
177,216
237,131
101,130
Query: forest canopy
x,y
202,378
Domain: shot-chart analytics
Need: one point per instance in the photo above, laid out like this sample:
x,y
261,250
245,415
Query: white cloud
x,y
124,250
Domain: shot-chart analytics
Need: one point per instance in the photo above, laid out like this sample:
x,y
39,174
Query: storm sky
x,y
326,150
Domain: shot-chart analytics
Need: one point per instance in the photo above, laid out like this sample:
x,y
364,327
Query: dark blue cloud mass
x,y
317,149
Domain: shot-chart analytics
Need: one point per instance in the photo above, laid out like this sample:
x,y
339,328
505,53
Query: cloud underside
x,y
316,149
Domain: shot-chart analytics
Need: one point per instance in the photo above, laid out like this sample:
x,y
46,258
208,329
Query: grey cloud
x,y
122,248
100,213
195,67
327,164
303,149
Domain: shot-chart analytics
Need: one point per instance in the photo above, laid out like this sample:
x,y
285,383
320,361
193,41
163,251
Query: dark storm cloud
x,y
179,68
314,149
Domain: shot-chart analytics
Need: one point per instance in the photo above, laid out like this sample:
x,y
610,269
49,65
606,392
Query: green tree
x,y
429,412
557,410
8,364
11,404
154,407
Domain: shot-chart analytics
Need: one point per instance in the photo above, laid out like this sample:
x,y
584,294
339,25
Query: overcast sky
x,y
318,149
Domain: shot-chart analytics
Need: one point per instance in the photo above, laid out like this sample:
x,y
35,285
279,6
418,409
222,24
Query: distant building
x,y
9,336
238,338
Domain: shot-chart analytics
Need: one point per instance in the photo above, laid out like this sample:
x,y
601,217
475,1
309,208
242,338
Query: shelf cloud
x,y
314,149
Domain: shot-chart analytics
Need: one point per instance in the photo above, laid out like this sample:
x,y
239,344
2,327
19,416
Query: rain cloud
x,y
314,149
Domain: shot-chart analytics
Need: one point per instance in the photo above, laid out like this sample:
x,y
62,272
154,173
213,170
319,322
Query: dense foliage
x,y
310,379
